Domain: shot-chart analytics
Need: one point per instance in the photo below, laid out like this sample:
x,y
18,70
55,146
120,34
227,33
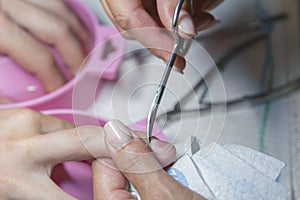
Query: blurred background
x,y
257,43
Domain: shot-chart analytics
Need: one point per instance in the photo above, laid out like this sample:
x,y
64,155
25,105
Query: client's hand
x,y
31,144
27,25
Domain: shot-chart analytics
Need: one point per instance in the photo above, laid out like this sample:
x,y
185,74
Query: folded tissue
x,y
230,172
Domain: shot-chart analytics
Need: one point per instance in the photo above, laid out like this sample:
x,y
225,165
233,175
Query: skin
x,y
32,144
27,151
136,163
136,14
29,24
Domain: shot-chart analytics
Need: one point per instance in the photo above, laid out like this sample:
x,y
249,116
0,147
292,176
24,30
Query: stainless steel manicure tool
x,y
177,49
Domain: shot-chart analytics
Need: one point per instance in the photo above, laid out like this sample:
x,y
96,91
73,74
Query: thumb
x,y
133,153
140,163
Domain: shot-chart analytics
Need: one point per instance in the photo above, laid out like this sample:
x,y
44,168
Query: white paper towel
x,y
230,172
268,165
230,177
185,172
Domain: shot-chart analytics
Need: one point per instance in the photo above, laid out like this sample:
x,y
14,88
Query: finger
x,y
34,57
48,28
124,33
34,185
166,10
151,8
131,17
29,123
189,25
110,15
49,124
62,10
82,143
164,152
117,136
136,161
109,183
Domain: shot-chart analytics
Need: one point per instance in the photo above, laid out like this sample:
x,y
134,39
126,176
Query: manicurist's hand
x,y
133,160
27,25
138,14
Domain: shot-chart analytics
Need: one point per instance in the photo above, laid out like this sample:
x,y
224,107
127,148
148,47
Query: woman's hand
x,y
135,161
27,25
31,144
137,14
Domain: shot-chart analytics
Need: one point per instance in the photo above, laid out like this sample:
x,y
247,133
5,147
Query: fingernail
x,y
186,24
164,152
156,144
117,134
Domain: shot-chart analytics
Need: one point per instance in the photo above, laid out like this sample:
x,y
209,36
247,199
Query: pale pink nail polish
x,y
156,144
117,134
186,24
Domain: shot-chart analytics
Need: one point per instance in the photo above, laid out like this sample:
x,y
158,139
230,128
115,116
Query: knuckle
x,y
85,137
26,114
64,124
62,30
86,133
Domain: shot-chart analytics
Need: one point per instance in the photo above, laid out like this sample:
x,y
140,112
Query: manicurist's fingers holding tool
x,y
137,14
